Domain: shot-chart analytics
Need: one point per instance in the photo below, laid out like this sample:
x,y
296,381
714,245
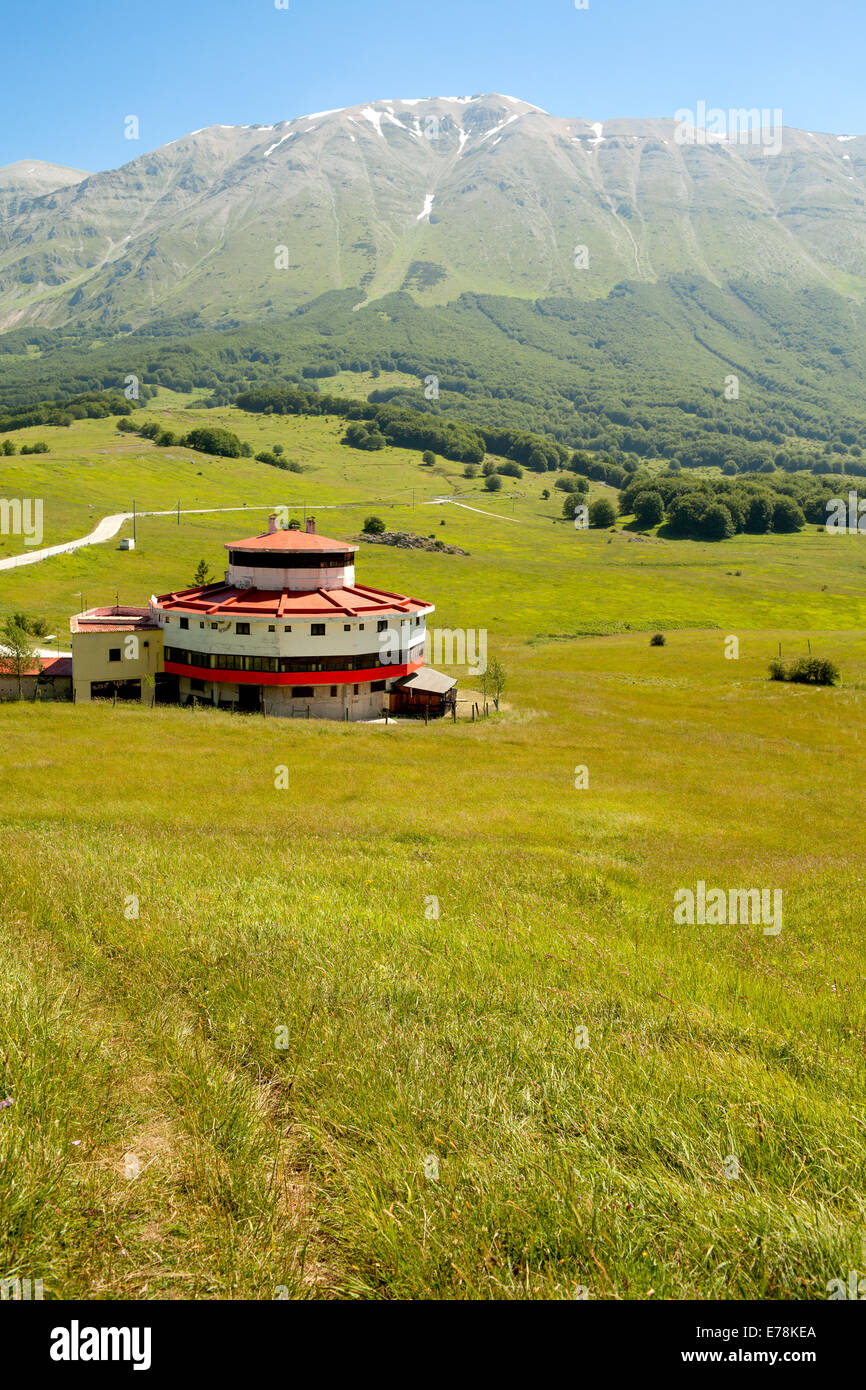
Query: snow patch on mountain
x,y
497,128
277,143
427,208
375,118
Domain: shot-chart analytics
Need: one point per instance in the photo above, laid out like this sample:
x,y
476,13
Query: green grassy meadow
x,y
424,1025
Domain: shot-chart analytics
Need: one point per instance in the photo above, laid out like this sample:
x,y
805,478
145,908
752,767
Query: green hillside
x,y
241,1091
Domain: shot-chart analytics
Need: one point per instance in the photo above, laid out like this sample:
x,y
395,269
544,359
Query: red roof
x,y
51,666
292,541
222,600
57,666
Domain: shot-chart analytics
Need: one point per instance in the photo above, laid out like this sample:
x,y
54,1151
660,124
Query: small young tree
x,y
428,457
374,526
17,653
202,574
495,679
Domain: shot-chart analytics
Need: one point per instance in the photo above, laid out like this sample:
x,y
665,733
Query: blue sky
x,y
73,72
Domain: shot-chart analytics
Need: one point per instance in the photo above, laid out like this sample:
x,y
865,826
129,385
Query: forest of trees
x,y
636,376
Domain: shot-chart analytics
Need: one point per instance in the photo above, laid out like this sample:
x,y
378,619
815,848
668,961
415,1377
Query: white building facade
x,y
290,633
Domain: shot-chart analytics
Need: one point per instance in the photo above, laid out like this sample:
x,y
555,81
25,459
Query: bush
x,y
428,457
374,526
649,509
658,639
210,440
510,469
471,470
787,516
805,670
601,512
37,448
717,524
493,482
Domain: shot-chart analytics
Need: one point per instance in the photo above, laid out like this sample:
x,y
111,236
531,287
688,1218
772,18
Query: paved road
x,y
440,501
105,530
108,527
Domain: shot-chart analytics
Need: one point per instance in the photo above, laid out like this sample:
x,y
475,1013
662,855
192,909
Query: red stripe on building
x,y
377,673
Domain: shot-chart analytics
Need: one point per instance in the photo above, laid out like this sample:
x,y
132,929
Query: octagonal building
x,y
289,632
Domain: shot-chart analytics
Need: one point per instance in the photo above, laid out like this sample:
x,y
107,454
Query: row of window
x,y
304,692
290,559
228,661
316,629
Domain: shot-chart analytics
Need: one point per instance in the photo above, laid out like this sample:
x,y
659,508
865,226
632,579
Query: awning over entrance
x,y
426,682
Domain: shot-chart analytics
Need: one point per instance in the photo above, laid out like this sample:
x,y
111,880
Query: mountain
x,y
27,179
440,197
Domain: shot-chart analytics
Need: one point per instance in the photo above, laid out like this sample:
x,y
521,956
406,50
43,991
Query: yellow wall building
x,y
115,652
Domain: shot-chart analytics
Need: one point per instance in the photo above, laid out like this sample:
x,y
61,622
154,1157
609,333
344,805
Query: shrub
x,y
787,516
717,524
374,526
493,482
805,670
211,440
649,509
658,639
428,457
601,512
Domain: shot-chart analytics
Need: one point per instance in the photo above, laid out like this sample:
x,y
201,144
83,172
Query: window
x,y
214,626
147,644
356,688
317,629
287,629
184,624
114,653
377,685
333,691
361,627
302,692
196,684
242,629
347,627
272,627
201,624
382,625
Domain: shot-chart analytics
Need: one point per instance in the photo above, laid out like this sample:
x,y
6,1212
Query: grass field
x,y
424,1025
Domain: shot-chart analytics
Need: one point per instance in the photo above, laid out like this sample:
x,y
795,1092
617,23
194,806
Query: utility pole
x,y
133,518
178,512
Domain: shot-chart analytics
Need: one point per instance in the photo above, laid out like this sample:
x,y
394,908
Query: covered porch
x,y
425,694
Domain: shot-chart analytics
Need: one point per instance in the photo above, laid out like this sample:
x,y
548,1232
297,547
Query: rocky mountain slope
x,y
441,196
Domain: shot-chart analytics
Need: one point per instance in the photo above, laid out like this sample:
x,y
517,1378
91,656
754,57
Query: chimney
x,y
311,525
272,523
